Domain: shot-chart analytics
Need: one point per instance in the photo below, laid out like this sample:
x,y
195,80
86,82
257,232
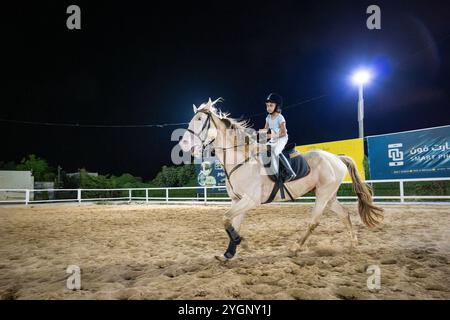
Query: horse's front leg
x,y
232,222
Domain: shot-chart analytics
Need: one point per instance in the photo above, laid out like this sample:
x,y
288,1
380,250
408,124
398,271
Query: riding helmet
x,y
277,99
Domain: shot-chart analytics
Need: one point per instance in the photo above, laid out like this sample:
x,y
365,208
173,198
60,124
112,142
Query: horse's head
x,y
201,130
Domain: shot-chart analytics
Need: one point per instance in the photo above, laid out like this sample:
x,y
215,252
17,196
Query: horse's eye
x,y
199,118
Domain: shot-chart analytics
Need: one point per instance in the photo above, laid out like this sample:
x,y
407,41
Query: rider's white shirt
x,y
277,144
274,124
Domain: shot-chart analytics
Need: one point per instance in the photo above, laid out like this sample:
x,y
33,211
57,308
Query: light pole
x,y
360,78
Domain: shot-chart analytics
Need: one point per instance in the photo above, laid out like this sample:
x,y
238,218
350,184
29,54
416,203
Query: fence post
x,y
79,195
167,195
27,196
402,192
204,193
129,195
146,195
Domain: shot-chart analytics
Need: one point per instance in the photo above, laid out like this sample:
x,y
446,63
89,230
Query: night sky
x,y
142,62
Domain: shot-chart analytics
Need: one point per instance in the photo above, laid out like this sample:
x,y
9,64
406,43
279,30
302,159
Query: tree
x,y
39,168
186,174
167,177
126,180
93,182
176,176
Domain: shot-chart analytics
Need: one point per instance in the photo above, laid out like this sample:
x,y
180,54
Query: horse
x,y
248,188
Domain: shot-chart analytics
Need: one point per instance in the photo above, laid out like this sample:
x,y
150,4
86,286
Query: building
x,y
77,174
11,179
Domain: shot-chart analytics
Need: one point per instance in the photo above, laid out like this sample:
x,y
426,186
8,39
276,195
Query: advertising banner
x,y
414,154
210,173
354,148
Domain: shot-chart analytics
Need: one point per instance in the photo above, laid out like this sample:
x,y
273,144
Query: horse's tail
x,y
370,214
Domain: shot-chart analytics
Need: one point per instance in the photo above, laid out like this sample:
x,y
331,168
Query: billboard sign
x,y
414,154
354,148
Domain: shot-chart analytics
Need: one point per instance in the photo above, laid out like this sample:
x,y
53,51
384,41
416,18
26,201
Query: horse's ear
x,y
195,108
216,101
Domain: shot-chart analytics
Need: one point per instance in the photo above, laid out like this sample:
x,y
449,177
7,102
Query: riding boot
x,y
288,167
274,166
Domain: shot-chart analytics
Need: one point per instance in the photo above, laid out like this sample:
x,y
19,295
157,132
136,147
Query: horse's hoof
x,y
296,249
222,258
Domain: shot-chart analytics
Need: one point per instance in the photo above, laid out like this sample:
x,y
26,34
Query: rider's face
x,y
270,106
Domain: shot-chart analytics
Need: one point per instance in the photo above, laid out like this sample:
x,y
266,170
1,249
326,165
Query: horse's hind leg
x,y
317,212
323,195
343,214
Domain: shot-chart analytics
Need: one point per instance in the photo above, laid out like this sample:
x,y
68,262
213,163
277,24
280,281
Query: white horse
x,y
248,188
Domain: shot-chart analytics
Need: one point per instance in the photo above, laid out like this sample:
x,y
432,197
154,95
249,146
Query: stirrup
x,y
291,177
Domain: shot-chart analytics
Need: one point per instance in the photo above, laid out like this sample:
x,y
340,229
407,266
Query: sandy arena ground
x,y
167,252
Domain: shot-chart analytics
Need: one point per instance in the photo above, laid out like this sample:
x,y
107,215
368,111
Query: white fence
x,y
206,195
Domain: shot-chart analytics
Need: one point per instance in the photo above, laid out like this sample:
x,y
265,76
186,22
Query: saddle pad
x,y
298,164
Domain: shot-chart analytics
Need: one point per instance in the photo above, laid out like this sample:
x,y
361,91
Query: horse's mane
x,y
241,130
241,133
225,116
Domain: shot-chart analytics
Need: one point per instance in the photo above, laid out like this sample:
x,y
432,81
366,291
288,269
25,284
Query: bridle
x,y
206,126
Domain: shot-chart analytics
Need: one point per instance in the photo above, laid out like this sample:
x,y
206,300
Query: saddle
x,y
298,164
